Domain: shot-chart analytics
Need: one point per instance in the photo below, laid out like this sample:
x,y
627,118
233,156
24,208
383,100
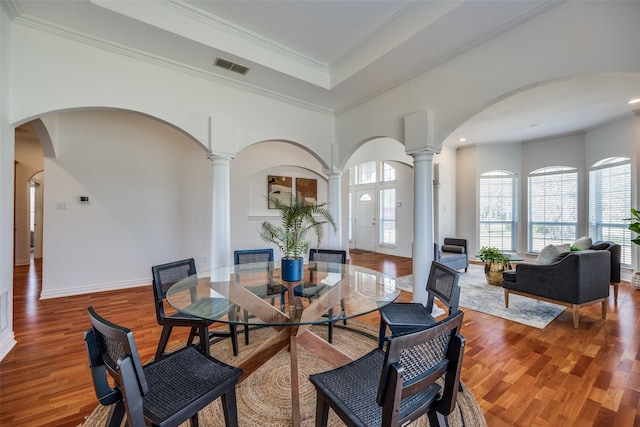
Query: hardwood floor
x,y
521,376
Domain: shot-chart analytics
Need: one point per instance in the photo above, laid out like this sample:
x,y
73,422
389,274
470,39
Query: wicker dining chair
x,y
165,392
328,261
396,386
404,316
258,260
164,276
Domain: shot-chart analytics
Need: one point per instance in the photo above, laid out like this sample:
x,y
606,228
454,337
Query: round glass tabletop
x,y
251,294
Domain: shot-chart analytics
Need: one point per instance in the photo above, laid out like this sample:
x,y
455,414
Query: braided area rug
x,y
264,398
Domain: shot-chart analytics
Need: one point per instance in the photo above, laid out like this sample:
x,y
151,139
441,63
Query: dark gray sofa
x,y
616,253
454,253
575,279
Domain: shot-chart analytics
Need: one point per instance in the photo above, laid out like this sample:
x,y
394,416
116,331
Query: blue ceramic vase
x,y
291,269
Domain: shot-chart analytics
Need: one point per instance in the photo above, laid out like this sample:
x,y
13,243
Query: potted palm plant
x,y
495,262
291,237
635,227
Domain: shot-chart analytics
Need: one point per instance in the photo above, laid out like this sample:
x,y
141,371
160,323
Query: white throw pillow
x,y
583,243
548,254
565,247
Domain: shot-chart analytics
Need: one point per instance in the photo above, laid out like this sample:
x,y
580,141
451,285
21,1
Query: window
x,y
388,216
610,203
366,173
498,210
553,207
388,172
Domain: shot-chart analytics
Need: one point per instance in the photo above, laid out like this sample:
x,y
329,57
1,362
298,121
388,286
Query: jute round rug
x,y
264,398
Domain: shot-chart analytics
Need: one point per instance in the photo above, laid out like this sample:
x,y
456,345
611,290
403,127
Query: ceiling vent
x,y
231,66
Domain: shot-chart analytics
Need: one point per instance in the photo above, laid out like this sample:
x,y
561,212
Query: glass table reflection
x,y
250,295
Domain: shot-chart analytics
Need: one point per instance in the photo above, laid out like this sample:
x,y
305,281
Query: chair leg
x,y
436,419
116,415
246,328
233,330
164,339
344,321
330,326
322,412
194,420
204,339
383,329
230,408
192,335
615,292
604,309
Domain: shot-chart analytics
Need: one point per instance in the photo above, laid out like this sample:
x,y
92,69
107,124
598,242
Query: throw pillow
x,y
548,254
561,256
583,243
453,248
565,247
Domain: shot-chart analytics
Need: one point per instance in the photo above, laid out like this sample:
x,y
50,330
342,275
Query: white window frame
x,y
550,210
498,201
610,203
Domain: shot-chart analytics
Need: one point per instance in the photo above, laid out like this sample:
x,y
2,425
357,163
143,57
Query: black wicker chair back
x,y
328,261
403,317
259,260
164,276
165,392
397,386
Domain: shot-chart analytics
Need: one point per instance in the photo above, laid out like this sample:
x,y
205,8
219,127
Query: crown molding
x,y
229,27
70,34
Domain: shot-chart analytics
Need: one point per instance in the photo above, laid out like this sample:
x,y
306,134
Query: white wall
x,y
150,194
7,340
78,75
445,210
248,174
618,139
530,54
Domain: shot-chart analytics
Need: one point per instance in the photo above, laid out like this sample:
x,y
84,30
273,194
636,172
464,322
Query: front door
x,y
365,220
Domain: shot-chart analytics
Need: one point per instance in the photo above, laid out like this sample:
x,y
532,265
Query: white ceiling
x,y
331,55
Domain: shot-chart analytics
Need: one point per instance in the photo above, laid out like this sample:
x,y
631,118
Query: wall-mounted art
x,y
307,190
279,187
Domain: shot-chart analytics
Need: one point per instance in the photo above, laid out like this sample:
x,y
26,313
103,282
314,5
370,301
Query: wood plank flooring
x,y
521,376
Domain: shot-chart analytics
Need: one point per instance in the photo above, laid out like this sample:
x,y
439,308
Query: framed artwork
x,y
279,187
307,190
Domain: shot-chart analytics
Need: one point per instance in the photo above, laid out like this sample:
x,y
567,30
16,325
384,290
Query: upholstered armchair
x,y
453,253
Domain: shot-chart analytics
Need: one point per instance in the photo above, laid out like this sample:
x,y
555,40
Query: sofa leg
x,y
506,298
576,316
615,292
604,309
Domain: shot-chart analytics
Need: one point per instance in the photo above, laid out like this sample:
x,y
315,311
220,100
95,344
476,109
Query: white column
x,y
220,211
334,199
422,223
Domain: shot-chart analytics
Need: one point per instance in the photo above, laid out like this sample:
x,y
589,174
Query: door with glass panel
x,y
365,219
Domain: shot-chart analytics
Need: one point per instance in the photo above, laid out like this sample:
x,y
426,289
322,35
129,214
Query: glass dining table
x,y
249,295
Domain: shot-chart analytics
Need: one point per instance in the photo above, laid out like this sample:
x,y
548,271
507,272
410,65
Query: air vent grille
x,y
231,66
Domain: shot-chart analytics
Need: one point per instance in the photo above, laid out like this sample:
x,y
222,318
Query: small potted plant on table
x,y
297,219
495,262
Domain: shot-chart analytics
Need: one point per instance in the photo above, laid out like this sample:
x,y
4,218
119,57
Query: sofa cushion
x,y
509,275
453,248
547,254
582,243
600,246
